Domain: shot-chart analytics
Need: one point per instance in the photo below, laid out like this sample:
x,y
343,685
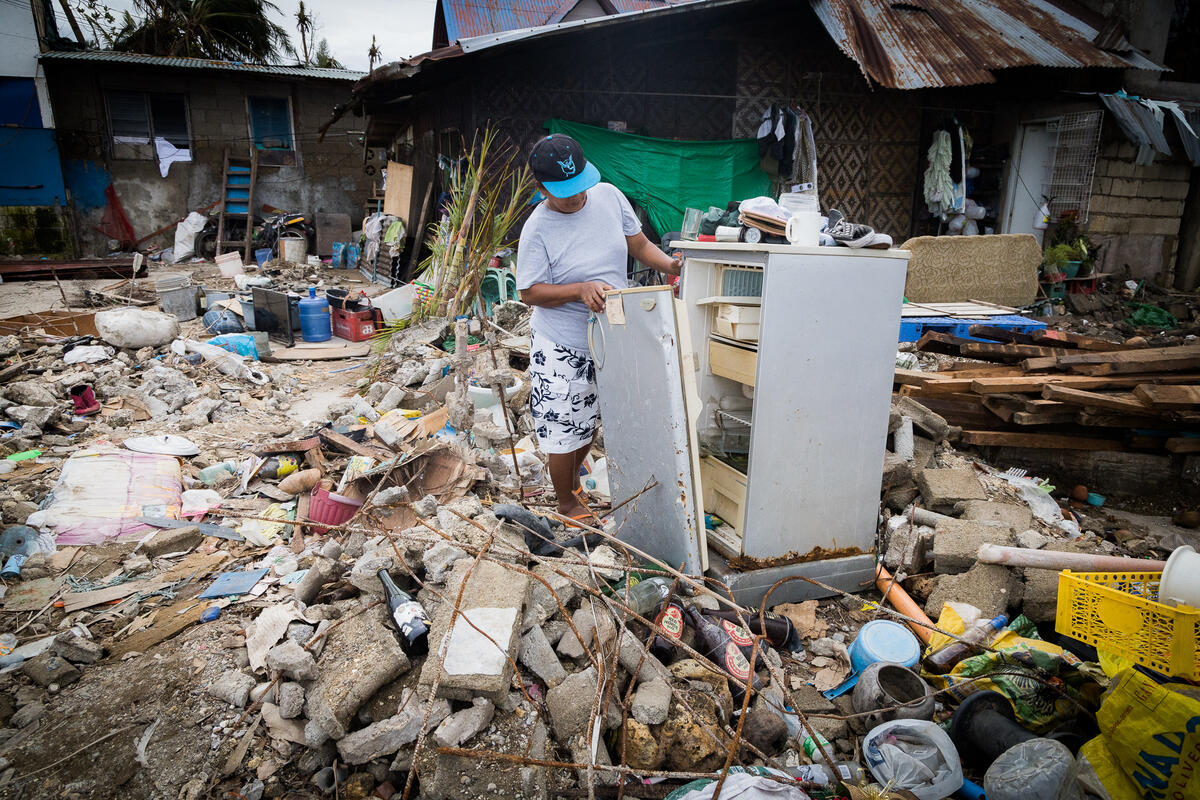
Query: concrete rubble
x,y
534,680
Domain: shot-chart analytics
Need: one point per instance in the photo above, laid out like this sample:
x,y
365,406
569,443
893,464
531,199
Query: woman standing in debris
x,y
573,249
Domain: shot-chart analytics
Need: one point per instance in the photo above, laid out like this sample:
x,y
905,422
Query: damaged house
x,y
1021,78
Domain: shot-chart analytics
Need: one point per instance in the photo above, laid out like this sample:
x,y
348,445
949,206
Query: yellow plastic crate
x,y
1119,612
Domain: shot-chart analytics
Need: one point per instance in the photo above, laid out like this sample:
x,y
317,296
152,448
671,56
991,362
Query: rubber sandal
x,y
583,495
580,518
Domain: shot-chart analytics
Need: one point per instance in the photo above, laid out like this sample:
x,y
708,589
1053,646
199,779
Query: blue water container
x,y
315,323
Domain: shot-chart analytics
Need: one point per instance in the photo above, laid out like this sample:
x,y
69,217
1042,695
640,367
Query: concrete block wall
x,y
1136,211
326,176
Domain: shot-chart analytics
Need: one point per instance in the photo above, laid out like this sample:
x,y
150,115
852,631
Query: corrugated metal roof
x,y
466,19
201,63
916,44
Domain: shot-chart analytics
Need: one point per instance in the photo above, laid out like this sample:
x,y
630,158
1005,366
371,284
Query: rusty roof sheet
x,y
201,63
915,44
466,19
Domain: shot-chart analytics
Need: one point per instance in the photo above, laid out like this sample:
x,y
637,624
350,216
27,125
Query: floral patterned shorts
x,y
562,395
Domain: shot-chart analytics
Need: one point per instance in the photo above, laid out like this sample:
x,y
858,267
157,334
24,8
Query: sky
x,y
402,28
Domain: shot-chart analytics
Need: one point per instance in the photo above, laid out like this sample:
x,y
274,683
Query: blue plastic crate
x,y
913,328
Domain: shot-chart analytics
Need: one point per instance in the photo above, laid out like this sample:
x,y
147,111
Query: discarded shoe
x,y
849,234
85,400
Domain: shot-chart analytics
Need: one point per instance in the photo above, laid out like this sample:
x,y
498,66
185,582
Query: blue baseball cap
x,y
558,163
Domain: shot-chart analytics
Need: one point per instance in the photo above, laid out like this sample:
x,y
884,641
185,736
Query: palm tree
x,y
305,23
229,30
374,54
324,58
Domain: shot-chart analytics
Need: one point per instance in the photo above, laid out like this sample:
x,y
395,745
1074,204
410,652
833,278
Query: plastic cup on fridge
x,y
691,224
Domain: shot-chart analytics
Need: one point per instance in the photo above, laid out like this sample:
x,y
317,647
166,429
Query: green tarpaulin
x,y
666,176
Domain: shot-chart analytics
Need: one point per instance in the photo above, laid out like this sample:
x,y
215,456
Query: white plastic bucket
x,y
1179,586
230,264
293,249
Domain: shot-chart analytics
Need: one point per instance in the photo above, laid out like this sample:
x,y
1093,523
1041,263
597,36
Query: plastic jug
x,y
315,323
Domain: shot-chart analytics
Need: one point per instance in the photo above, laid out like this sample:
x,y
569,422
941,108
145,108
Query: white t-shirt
x,y
588,245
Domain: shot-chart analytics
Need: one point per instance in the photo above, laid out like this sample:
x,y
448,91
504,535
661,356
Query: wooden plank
x,y
945,386
944,343
1179,363
967,369
1032,384
77,600
735,363
1148,356
1078,341
348,445
1179,398
1045,441
1003,352
1003,405
168,622
1183,444
1056,417
1001,334
912,377
1124,402
1039,364
398,194
1100,418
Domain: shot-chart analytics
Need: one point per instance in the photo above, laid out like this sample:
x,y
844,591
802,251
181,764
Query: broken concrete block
x,y
364,575
651,702
582,753
991,588
389,735
233,687
908,548
644,665
1014,515
542,605
49,668
594,623
537,654
942,488
36,416
361,655
173,540
1032,540
291,730
76,648
896,470
1040,600
479,653
570,704
460,726
30,393
447,777
439,558
293,661
956,543
642,750
392,399
291,700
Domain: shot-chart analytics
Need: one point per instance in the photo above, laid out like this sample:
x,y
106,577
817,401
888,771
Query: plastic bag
x,y
1149,742
227,363
185,236
1041,768
916,755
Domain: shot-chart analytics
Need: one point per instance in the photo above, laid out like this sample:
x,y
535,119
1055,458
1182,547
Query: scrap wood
x,y
1183,444
988,351
1151,355
168,622
969,369
347,445
1001,334
1178,363
1039,441
26,470
1032,384
1124,401
74,601
1066,339
1177,398
291,446
944,343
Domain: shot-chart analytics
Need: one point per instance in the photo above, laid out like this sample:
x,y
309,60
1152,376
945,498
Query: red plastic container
x,y
357,326
332,509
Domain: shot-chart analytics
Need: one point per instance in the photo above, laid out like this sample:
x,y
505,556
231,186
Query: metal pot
x,y
882,685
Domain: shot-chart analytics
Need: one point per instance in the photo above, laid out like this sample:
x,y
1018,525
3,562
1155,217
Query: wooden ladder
x,y
239,176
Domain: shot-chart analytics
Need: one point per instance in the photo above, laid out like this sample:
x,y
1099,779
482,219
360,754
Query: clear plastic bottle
x,y
939,662
847,772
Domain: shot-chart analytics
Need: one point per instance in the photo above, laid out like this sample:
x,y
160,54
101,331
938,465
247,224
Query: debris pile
x,y
247,590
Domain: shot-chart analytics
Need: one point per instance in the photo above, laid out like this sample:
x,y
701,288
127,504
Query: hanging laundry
x,y
939,186
168,154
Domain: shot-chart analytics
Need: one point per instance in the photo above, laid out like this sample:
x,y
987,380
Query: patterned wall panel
x,y
867,141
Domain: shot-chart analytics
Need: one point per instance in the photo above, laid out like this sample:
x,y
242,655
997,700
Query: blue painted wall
x,y
31,173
